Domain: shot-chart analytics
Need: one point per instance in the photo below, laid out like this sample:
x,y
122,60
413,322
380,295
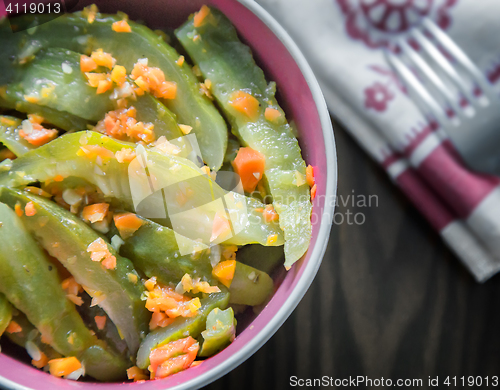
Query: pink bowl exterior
x,y
302,100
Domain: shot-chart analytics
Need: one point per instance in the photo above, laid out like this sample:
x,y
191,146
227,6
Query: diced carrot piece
x,y
100,321
109,262
95,212
91,13
150,284
313,192
133,278
272,114
98,255
121,27
166,90
71,286
64,366
95,78
104,86
31,99
119,74
92,151
125,155
160,355
39,136
29,209
160,319
97,245
103,59
200,16
220,227
4,120
180,61
136,374
127,224
35,118
271,239
245,103
185,129
224,272
13,327
310,175
249,164
87,64
175,364
78,301
142,83
19,210
59,178
42,362
37,191
270,215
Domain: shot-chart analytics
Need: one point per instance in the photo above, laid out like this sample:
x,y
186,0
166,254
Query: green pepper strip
x,y
32,285
63,120
44,79
60,157
5,313
30,333
9,135
220,331
229,65
67,238
181,327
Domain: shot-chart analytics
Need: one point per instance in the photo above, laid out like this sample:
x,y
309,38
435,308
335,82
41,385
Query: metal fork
x,y
474,128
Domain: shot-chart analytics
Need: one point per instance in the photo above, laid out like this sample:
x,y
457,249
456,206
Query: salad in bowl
x,y
151,192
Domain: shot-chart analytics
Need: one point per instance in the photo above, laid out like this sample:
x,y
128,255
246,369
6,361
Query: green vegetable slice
x,y
181,327
67,91
67,238
11,100
250,286
65,157
74,32
29,333
220,331
31,284
9,135
5,313
229,65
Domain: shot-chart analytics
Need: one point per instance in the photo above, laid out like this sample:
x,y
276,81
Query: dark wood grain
x,y
390,300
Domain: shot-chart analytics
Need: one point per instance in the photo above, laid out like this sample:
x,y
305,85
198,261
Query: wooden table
x,y
390,300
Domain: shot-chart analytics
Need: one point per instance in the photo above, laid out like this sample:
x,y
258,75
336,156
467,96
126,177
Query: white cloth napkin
x,y
342,41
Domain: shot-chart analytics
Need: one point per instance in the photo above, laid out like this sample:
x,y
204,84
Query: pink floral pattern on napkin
x,y
377,96
343,41
375,22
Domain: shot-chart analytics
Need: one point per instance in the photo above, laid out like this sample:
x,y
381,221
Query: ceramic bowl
x,y
302,100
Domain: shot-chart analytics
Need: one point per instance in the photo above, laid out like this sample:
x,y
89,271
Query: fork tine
x,y
416,86
431,76
443,63
460,56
